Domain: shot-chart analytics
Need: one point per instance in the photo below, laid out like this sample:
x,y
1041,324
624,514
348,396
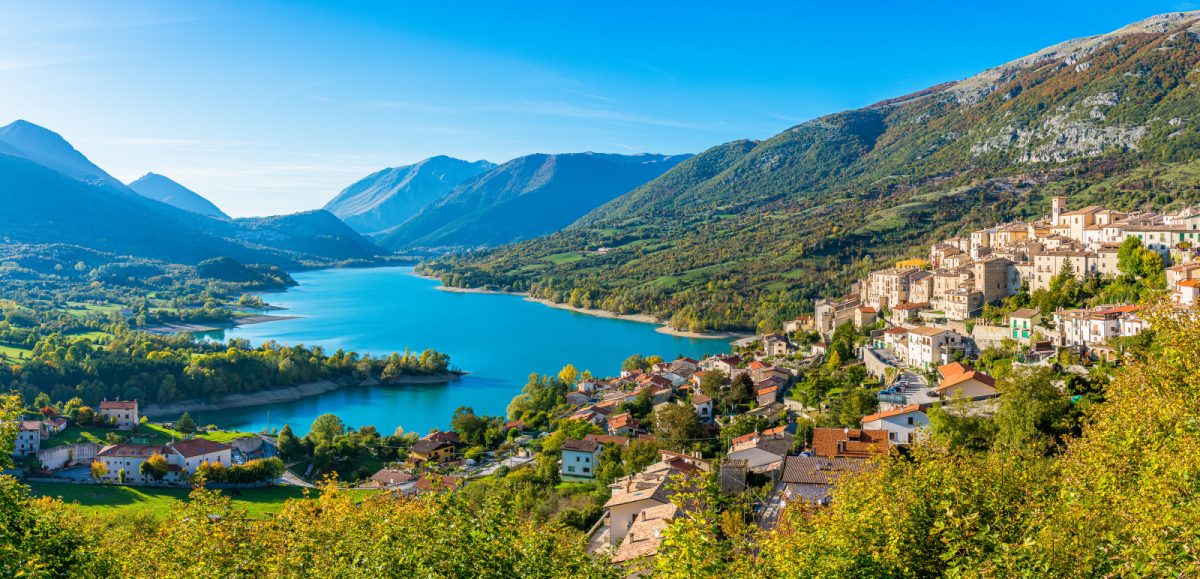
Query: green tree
x,y
185,424
155,466
324,429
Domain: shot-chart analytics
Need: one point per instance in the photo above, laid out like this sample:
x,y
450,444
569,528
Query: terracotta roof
x,y
429,446
928,331
1190,283
1024,313
608,439
581,445
701,398
197,447
895,331
890,413
645,534
30,425
952,369
622,420
867,310
391,476
442,436
118,404
849,442
129,450
954,380
816,470
767,390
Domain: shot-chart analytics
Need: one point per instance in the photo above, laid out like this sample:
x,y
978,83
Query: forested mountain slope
x,y
745,233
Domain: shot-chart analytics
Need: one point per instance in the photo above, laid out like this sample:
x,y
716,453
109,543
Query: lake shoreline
x,y
284,394
663,326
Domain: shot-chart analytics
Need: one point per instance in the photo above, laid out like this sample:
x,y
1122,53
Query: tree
x,y
1032,412
289,445
568,375
957,426
678,425
155,466
99,470
713,382
324,429
185,424
1129,256
634,362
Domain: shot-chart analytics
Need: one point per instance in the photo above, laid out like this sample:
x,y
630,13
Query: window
x,y
570,469
910,420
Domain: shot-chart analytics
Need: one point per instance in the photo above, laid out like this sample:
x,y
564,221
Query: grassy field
x,y
148,433
112,500
12,354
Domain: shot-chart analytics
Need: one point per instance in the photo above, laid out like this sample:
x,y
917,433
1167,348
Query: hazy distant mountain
x,y
160,188
57,196
47,148
526,197
387,198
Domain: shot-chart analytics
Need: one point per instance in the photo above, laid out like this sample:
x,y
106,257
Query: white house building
x,y
580,458
123,412
901,423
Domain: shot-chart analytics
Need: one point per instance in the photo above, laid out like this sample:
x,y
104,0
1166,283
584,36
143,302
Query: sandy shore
x,y
663,326
260,319
276,395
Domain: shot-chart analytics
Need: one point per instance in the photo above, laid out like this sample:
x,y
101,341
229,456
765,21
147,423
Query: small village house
x,y
580,458
124,413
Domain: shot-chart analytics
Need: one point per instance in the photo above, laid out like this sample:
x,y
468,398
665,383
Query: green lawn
x,y
111,500
13,354
150,433
561,258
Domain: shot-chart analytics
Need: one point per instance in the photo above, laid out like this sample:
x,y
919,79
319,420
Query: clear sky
x,y
272,107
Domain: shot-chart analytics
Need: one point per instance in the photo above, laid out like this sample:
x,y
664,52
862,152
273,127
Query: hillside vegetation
x,y
746,234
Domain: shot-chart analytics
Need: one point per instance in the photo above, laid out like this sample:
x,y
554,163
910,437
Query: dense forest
x,y
747,234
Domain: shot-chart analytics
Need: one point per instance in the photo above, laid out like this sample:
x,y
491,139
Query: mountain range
x,y
389,197
523,198
57,196
747,233
160,188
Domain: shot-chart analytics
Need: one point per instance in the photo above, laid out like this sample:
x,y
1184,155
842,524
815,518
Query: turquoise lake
x,y
499,339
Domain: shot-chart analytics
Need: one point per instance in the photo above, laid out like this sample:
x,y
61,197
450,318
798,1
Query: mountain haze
x,y
526,197
60,197
744,233
166,190
387,198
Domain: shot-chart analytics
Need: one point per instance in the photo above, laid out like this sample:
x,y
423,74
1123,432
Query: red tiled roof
x,y
118,404
581,445
700,398
622,420
608,439
952,369
849,442
957,379
895,331
893,412
197,446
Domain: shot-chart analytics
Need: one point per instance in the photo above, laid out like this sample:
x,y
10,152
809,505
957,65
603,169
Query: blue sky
x,y
272,107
